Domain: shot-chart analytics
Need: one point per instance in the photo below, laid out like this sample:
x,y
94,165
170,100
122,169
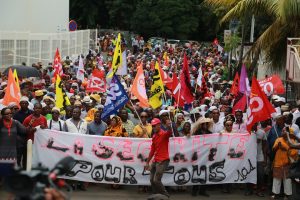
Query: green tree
x,y
284,15
166,18
120,12
86,12
179,19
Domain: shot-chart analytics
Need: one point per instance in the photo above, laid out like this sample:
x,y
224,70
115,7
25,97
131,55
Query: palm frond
x,y
288,9
255,7
221,3
270,35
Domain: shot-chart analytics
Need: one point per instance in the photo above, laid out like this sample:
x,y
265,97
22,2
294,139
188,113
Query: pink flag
x,y
244,81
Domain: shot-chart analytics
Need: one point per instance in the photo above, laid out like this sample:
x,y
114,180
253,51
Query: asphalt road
x,y
101,191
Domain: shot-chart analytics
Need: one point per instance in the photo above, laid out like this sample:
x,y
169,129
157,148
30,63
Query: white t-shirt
x,y
56,125
217,127
260,135
296,114
72,128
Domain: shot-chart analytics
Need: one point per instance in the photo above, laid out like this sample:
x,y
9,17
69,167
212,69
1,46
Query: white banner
x,y
206,159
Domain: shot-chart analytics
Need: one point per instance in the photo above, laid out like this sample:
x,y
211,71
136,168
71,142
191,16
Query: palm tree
x,y
285,16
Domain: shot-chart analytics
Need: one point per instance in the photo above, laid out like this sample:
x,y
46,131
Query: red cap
x,y
155,121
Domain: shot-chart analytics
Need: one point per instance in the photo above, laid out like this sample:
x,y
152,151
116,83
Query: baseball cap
x,y
155,121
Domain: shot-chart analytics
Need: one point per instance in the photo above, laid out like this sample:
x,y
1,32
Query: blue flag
x,y
116,98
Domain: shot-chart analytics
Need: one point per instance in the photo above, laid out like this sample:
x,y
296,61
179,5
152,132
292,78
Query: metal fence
x,y
293,59
19,47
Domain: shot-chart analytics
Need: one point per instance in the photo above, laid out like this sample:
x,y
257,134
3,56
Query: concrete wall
x,y
36,16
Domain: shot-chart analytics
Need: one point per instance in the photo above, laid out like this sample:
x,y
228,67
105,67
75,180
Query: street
x,y
131,192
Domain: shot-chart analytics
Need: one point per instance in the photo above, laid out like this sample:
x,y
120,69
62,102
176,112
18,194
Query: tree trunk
x,y
254,64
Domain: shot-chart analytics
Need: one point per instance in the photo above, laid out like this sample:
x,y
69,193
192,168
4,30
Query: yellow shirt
x,y
281,156
139,133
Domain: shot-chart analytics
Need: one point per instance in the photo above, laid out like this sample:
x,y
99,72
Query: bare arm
x,y
291,144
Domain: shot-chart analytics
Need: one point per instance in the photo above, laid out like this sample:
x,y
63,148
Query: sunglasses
x,y
144,116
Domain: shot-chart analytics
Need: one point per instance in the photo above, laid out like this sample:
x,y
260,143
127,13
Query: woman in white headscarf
x,y
179,120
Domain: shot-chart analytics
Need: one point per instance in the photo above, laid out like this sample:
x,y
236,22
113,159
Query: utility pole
x,y
252,29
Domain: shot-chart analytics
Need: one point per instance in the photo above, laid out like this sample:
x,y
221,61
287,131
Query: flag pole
x,y
194,113
178,99
136,111
133,105
196,88
165,97
164,94
171,124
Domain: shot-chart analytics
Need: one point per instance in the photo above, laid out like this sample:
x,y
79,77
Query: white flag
x,y
122,70
220,48
80,72
199,79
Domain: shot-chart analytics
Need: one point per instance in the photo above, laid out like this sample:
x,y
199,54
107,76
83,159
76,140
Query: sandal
x,y
260,194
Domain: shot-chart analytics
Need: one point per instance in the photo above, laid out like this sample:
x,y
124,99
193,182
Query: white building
x,y
35,16
31,30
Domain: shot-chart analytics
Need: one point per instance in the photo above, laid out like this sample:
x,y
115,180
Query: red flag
x,y
272,85
235,85
240,102
216,42
165,78
176,91
259,109
57,66
97,82
204,88
185,81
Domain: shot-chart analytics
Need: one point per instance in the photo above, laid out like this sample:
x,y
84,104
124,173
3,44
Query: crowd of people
x,y
210,112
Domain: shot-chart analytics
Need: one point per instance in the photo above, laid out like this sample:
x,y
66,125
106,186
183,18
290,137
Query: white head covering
x,y
24,98
163,112
213,108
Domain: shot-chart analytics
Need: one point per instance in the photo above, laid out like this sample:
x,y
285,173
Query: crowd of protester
x,y
210,112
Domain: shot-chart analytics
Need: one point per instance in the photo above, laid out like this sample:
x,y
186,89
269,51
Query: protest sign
x,y
205,159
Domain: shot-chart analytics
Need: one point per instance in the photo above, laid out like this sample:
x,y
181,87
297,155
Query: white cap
x,y
280,99
12,104
195,111
285,113
163,112
74,84
56,108
202,107
99,106
274,97
213,108
87,99
24,98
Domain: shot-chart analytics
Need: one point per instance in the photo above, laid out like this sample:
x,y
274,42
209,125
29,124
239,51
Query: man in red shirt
x,y
160,152
34,120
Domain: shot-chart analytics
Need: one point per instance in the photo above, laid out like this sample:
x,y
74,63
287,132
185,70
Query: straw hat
x,y
39,93
203,120
96,97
